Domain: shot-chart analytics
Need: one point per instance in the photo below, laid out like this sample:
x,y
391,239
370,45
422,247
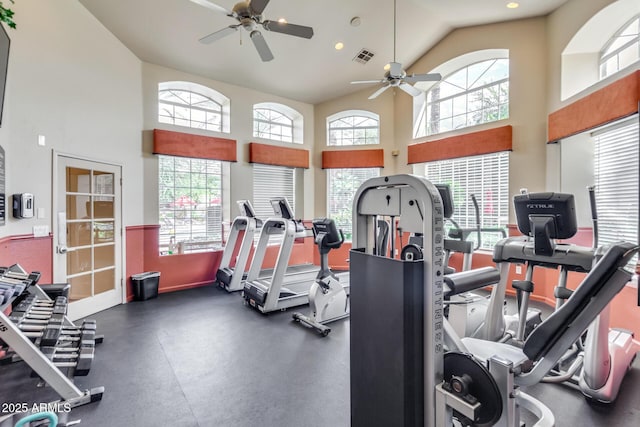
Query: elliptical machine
x,y
327,296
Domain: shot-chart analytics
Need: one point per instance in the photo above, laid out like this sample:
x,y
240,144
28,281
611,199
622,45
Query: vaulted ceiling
x,y
166,32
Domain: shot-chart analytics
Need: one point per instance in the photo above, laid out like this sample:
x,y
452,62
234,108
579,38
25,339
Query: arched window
x,y
472,95
622,50
353,127
192,105
277,122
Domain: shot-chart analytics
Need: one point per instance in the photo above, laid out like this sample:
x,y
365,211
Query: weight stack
x,y
386,330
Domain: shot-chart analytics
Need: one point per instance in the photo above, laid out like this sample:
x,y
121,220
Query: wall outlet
x,y
40,230
518,269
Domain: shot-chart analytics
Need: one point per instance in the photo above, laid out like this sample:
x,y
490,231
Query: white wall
x,y
72,81
241,173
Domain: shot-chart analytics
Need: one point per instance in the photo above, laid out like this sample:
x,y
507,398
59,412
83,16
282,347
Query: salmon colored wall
x,y
184,271
32,253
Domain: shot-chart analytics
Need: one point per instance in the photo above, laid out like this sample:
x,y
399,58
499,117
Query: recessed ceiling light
x,y
513,5
282,21
339,46
387,67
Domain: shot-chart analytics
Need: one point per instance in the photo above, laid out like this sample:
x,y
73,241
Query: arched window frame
x,y
201,106
342,128
278,122
425,106
624,41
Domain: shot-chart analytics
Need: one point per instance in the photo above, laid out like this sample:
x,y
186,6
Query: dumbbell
x,y
78,359
85,336
47,330
41,309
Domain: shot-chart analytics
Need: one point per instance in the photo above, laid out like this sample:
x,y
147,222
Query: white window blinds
x,y
342,185
269,182
616,179
485,176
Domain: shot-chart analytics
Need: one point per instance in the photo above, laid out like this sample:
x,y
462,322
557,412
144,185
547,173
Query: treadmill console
x,y
282,208
246,209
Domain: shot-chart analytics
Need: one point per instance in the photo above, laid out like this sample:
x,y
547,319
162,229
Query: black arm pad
x,y
470,280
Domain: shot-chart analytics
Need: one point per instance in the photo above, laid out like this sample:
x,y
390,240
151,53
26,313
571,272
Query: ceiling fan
x,y
249,15
396,76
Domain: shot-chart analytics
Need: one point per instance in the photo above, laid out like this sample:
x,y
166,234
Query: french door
x,y
87,234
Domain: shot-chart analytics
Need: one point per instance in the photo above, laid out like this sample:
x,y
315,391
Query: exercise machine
x,y
327,297
400,374
285,286
597,363
230,277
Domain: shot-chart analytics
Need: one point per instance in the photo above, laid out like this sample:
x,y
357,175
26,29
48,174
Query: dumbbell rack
x,y
11,334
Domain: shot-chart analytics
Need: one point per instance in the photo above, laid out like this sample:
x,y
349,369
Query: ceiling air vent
x,y
363,56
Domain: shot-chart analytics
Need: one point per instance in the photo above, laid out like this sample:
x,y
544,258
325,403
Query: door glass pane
x,y
78,207
79,234
78,261
103,232
102,182
103,208
78,180
104,256
80,287
104,281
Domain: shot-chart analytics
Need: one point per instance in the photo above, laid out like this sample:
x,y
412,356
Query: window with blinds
x,y
485,176
616,157
342,185
190,203
269,182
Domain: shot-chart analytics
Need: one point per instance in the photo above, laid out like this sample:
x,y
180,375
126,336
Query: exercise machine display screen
x,y
282,208
553,212
327,226
447,199
246,209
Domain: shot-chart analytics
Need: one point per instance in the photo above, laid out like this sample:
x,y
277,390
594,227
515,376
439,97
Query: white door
x,y
88,234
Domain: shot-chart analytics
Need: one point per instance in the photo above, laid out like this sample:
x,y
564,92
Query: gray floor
x,y
201,358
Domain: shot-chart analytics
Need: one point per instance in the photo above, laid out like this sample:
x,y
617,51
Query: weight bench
x,y
510,366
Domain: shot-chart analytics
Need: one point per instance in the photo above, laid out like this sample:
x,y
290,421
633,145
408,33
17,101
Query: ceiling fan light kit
x,y
396,76
248,13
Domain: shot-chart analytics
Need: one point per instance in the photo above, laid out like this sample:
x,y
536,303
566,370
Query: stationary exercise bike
x,y
327,296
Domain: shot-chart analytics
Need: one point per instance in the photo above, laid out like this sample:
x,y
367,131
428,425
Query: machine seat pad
x,y
470,280
542,338
485,350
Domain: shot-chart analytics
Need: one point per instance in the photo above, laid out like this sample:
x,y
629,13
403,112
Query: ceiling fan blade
x,y
410,89
357,82
257,6
433,77
379,91
286,28
261,46
219,34
395,69
213,6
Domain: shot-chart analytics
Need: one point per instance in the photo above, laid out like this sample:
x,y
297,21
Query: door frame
x,y
54,209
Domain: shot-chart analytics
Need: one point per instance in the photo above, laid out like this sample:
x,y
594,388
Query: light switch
x,y
41,140
41,213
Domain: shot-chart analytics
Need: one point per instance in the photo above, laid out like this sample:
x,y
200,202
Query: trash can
x,y
145,285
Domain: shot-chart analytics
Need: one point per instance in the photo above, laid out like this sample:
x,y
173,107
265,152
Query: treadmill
x,y
227,277
285,286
